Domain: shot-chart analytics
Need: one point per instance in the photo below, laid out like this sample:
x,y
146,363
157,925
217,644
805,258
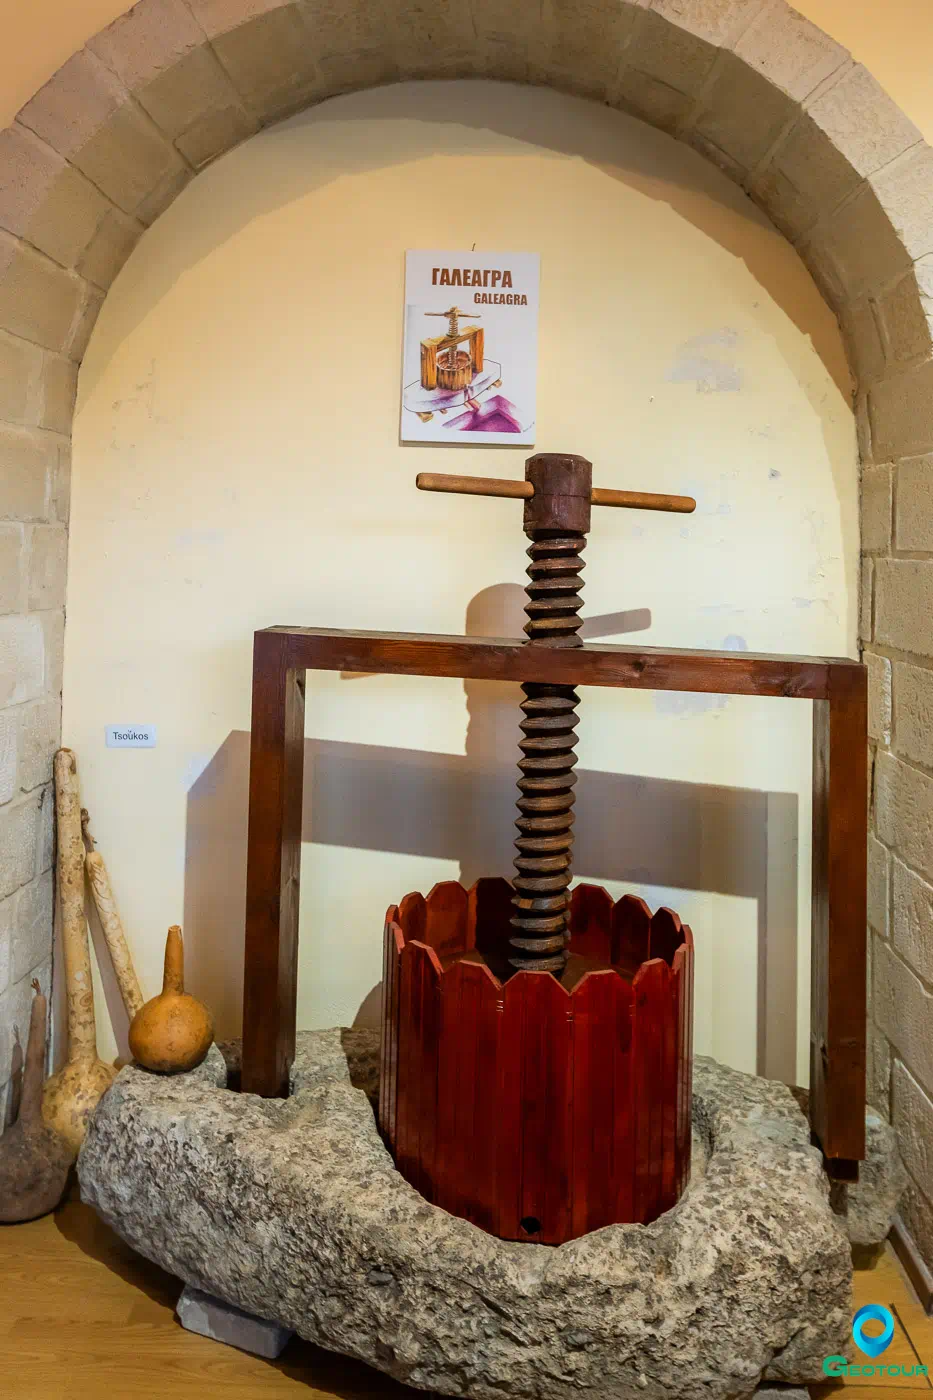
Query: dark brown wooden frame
x,y
838,688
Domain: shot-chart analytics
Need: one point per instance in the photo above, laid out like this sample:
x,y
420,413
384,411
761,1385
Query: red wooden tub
x,y
538,1109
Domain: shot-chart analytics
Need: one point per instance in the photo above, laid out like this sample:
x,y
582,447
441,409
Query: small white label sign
x,y
131,736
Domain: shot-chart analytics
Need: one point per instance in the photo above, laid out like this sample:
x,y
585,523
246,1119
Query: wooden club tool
x,y
71,1095
558,494
110,922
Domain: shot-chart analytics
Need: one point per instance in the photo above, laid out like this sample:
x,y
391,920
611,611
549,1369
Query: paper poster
x,y
470,353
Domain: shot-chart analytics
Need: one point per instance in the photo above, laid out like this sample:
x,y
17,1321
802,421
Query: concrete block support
x,y
222,1322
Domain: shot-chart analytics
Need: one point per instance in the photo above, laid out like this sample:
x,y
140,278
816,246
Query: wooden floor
x,y
84,1318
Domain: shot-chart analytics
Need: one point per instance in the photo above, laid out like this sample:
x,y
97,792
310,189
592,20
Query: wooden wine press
x,y
443,364
536,1049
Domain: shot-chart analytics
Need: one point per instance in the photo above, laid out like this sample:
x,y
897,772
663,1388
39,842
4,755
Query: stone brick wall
x,y
898,637
36,398
106,145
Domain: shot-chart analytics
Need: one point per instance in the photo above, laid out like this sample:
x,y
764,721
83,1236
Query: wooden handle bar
x,y
474,485
642,500
523,491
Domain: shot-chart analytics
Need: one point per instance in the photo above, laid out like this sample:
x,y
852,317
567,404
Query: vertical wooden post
x,y
838,991
273,862
477,350
428,364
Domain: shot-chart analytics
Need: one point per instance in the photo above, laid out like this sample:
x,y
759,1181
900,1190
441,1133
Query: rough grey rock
x,y
222,1322
293,1210
867,1209
870,1205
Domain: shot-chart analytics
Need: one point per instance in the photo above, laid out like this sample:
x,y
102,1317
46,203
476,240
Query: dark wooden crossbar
x,y
838,688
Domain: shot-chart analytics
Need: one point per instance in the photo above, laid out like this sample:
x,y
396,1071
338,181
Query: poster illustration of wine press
x,y
470,350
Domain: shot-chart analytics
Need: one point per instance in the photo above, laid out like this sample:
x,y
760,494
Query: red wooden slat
x,y
631,924
662,1029
384,1028
534,1106
547,1121
430,1021
591,923
557,1223
479,1009
666,935
598,1003
396,944
682,972
447,1192
621,1048
512,1002
649,998
397,1004
587,1005
684,1126
406,1091
386,1025
413,917
446,919
668,1094
688,1062
490,908
418,1039
459,1151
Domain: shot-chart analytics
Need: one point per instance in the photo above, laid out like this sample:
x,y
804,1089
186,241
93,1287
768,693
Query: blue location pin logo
x,y
872,1346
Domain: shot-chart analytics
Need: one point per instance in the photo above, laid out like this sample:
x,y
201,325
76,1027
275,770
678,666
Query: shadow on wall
x,y
639,830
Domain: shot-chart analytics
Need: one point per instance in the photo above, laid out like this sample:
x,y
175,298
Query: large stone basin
x,y
293,1210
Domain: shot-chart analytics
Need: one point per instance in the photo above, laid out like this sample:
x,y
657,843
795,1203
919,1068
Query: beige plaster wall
x,y
236,464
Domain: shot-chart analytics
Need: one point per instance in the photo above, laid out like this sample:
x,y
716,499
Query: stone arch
x,y
111,139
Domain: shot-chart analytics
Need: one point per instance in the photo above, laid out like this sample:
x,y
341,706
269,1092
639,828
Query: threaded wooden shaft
x,y
543,865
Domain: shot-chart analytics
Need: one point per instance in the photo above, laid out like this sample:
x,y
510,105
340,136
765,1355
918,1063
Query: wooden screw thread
x,y
553,588
544,865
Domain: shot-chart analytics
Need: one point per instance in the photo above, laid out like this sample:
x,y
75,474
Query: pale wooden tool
x,y
111,923
524,490
70,1096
